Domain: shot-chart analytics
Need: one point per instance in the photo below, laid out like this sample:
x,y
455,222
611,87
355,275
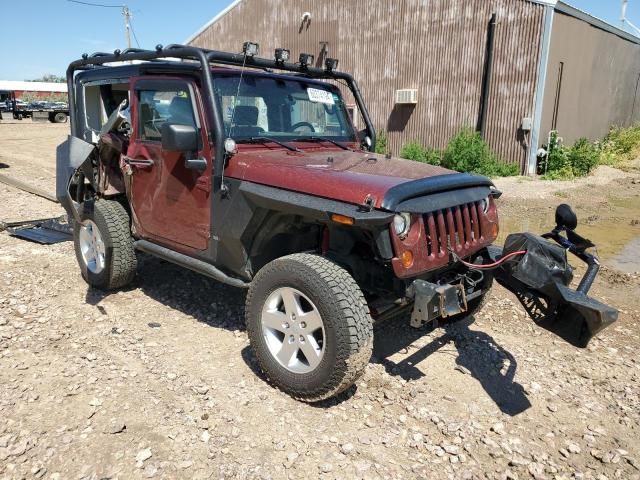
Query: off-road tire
x,y
60,118
345,314
120,257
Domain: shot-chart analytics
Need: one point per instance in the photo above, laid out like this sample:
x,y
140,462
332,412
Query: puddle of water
x,y
617,241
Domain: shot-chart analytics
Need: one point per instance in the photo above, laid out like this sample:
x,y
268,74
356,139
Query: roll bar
x,y
205,58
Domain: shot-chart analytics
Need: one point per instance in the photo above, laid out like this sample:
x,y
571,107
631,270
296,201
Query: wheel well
x,y
279,235
352,248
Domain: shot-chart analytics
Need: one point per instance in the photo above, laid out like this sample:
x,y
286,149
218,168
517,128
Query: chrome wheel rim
x,y
92,247
293,330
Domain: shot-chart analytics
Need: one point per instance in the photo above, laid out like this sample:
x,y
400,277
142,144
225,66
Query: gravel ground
x,y
158,381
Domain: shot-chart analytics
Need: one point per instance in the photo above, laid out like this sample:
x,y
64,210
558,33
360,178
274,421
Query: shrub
x,y
624,141
468,152
583,157
564,163
559,167
556,165
381,143
506,169
415,151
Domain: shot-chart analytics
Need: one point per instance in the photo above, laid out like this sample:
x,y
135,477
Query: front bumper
x,y
540,280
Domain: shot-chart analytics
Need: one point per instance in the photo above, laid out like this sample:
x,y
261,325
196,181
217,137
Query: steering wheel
x,y
295,126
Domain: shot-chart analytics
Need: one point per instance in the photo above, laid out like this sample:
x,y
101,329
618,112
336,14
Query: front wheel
x,y
104,246
309,326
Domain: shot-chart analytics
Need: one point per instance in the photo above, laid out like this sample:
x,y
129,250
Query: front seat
x,y
181,112
246,121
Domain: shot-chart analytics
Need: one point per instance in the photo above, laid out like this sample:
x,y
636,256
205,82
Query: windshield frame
x,y
345,120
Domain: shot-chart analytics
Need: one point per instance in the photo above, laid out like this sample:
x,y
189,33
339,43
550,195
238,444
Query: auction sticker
x,y
320,96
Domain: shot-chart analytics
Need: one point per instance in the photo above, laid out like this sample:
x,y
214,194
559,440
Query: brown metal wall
x,y
436,46
599,83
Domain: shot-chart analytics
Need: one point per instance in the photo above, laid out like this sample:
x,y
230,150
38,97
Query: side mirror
x,y
566,217
180,138
365,139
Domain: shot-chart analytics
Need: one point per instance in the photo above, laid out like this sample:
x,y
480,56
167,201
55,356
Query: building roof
x,y
572,11
559,5
212,21
12,85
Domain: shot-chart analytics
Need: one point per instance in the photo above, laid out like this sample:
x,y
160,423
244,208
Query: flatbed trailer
x,y
19,112
53,115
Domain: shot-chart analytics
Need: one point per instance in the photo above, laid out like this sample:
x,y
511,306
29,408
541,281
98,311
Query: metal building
x,y
513,69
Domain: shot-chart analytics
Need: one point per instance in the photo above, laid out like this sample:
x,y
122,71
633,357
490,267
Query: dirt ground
x,y
158,381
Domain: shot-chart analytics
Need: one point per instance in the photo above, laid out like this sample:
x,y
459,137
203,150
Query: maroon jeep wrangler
x,y
260,180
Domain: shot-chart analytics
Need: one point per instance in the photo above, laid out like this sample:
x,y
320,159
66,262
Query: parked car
x,y
258,178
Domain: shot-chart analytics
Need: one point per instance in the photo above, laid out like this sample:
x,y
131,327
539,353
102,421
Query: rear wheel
x,y
60,117
104,246
309,326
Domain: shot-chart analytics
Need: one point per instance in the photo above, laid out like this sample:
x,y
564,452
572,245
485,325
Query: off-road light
x,y
306,60
402,224
282,55
250,49
230,146
331,64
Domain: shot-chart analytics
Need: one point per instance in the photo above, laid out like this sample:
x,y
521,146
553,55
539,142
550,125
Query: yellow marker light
x,y
494,229
343,219
407,258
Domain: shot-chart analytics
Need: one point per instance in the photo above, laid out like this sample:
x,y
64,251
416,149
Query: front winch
x,y
432,302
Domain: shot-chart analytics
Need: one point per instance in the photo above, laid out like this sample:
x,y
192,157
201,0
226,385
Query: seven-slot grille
x,y
457,228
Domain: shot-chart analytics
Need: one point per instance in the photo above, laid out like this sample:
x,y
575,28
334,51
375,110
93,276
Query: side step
x,y
197,266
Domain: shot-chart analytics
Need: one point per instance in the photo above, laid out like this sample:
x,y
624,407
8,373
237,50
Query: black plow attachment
x,y
539,274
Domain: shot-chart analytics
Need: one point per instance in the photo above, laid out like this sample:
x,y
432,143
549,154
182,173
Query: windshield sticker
x,y
320,96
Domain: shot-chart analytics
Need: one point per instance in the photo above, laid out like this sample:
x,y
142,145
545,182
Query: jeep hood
x,y
340,175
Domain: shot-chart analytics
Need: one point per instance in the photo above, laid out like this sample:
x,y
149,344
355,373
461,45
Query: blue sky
x,y
43,36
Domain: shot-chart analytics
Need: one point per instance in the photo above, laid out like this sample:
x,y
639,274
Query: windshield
x,y
282,109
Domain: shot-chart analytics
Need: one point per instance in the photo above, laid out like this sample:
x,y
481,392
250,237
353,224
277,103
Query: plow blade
x,y
540,280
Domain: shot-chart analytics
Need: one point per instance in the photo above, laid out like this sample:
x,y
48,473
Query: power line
x,y
95,4
125,13
133,31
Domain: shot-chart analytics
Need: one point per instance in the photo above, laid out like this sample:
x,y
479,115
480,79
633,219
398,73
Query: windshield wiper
x,y
267,139
320,139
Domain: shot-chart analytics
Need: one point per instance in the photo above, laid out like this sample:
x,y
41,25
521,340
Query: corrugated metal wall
x,y
600,81
435,46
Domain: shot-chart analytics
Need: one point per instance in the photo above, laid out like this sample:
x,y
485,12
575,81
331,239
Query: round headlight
x,y
402,224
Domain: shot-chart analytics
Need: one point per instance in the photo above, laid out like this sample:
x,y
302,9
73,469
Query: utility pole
x,y
625,20
127,25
